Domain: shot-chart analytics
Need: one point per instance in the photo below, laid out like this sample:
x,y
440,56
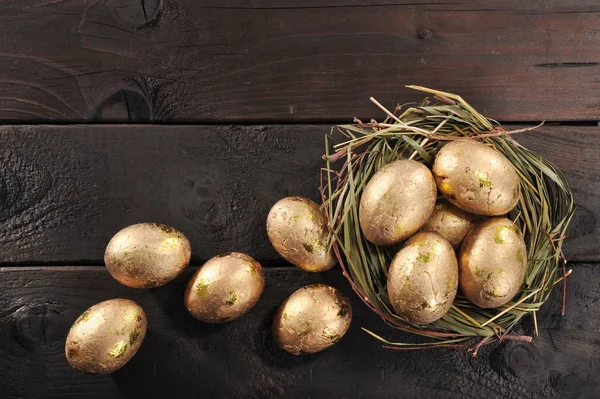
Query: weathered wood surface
x,y
184,358
65,190
275,60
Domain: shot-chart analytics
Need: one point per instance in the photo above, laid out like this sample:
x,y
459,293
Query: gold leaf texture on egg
x,y
396,202
147,255
423,279
450,222
492,263
312,319
297,228
106,336
476,178
224,288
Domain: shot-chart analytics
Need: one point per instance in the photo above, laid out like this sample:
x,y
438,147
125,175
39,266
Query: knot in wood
x,y
22,185
424,34
40,325
519,361
138,13
124,104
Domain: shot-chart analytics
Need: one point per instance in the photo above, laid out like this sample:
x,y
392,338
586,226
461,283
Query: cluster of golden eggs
x,y
108,334
460,240
148,255
316,316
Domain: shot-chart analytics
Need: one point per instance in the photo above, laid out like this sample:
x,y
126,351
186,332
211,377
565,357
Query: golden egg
x,y
450,222
476,178
396,202
492,263
423,279
297,228
106,336
147,255
312,319
224,288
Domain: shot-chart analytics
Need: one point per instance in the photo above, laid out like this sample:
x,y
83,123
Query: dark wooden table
x,y
203,113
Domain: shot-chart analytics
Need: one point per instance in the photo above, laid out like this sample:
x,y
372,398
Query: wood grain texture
x,y
184,358
275,60
65,190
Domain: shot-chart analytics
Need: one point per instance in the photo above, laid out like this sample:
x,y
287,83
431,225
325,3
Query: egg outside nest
x,y
106,336
224,288
312,319
297,229
147,255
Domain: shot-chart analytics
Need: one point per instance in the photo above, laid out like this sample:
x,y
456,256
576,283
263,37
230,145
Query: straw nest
x,y
418,132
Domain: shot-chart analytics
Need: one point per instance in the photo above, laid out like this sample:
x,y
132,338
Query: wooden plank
x,y
181,357
274,60
575,151
65,190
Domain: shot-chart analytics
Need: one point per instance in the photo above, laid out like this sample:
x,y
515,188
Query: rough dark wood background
x,y
209,79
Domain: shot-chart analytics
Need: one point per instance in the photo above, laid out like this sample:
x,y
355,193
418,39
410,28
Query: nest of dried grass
x,y
418,132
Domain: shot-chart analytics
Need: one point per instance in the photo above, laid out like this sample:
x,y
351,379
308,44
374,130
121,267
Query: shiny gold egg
x,y
396,202
312,319
450,222
106,336
476,178
147,255
492,263
224,288
423,279
297,228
